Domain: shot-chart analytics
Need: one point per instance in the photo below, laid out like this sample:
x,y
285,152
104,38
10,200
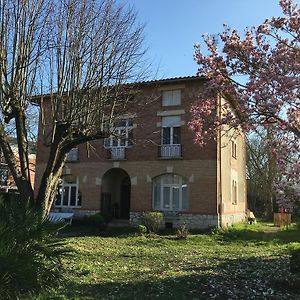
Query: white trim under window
x,y
68,192
170,193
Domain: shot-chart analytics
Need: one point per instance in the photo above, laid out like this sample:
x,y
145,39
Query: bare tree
x,y
72,57
262,173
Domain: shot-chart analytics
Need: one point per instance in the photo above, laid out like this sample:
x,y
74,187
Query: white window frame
x,y
171,186
117,136
171,100
70,185
171,131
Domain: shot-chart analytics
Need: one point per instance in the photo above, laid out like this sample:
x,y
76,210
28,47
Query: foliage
x,y
182,231
204,266
30,254
142,229
152,220
258,78
262,175
96,221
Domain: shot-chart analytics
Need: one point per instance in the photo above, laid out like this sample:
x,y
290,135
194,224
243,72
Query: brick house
x,y
152,164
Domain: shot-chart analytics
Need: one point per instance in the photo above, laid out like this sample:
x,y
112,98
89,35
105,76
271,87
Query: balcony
x,y
117,153
170,151
72,156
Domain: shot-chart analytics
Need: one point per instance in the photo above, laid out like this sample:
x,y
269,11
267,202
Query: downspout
x,y
219,208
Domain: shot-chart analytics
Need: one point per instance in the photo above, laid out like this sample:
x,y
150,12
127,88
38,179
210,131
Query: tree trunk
x,y
47,191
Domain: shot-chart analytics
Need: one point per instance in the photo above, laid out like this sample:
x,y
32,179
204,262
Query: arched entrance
x,y
115,197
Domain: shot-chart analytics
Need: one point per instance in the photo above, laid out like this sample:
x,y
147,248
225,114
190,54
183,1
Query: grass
x,y
245,262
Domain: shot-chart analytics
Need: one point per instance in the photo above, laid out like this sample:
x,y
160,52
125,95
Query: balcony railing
x,y
117,153
72,155
170,151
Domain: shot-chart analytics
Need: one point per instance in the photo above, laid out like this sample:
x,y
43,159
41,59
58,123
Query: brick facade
x,y
206,171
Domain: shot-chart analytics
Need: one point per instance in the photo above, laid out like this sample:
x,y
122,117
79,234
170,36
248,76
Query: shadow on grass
x,y
251,278
83,230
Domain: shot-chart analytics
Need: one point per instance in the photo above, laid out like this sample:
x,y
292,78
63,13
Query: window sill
x,y
171,158
117,159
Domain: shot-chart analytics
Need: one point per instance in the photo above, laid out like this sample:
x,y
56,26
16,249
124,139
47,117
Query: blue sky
x,y
174,26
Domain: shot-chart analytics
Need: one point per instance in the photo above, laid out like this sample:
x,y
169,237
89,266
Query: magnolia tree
x,y
72,58
259,76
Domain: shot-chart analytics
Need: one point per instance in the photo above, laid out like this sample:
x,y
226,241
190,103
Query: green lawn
x,y
247,262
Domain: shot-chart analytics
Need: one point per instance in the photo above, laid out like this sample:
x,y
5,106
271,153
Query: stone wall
x,y
193,221
229,219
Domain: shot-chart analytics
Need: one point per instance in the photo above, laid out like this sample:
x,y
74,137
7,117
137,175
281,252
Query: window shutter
x,y
172,97
176,97
167,98
172,121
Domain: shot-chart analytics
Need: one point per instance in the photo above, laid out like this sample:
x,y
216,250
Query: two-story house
x,y
151,163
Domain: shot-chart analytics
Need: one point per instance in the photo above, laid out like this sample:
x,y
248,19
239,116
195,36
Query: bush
x,y
142,229
30,252
182,231
96,221
152,220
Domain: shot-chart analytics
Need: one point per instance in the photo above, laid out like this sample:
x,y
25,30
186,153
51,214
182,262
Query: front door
x,y
125,198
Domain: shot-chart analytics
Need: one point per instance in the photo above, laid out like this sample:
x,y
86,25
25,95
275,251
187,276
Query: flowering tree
x,y
259,76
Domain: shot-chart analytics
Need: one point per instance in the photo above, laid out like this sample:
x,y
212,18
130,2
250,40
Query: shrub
x,y
30,252
152,220
96,221
142,229
182,231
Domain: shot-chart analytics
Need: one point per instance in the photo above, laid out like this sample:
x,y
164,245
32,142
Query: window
x,y
121,136
170,98
233,149
3,175
234,192
72,155
171,130
170,193
68,194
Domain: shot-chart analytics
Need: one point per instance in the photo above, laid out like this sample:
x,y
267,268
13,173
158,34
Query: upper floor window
x,y
121,134
170,193
171,130
233,149
72,155
68,194
170,98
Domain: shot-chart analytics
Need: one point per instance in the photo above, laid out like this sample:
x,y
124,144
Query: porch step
x,y
118,223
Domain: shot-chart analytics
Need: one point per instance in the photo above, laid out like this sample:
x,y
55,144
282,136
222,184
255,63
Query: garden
x,y
242,262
